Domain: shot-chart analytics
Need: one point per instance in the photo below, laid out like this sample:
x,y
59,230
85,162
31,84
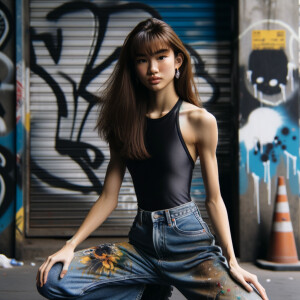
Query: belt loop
x,y
167,213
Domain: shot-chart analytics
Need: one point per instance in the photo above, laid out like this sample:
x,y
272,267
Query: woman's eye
x,y
141,60
161,57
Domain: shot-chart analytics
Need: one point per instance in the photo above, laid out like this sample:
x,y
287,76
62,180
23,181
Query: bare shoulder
x,y
198,117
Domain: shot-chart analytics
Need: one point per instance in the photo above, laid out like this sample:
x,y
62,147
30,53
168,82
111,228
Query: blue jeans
x,y
166,247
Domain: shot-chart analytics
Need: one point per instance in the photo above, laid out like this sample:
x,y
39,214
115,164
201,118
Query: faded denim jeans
x,y
166,247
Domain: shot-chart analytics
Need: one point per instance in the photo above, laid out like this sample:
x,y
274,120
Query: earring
x,y
177,73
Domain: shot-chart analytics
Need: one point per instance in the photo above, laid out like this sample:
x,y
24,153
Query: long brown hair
x,y
121,121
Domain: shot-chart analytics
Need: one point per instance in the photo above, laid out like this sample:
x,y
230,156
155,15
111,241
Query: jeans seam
x,y
114,280
192,233
189,233
183,215
205,225
196,213
164,240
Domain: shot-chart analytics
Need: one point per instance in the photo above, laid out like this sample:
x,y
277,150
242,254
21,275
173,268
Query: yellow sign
x,y
268,39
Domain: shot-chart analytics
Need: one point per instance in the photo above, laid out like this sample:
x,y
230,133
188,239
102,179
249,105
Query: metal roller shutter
x,y
73,50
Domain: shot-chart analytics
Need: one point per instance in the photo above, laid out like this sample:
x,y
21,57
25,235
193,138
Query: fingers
x,y
40,274
247,279
246,285
260,289
50,264
44,270
254,281
242,279
64,270
65,256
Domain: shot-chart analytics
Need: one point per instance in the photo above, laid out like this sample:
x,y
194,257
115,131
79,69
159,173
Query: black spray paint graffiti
x,y
77,150
268,77
5,25
279,143
201,72
6,65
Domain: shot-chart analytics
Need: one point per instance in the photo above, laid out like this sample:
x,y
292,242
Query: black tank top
x,y
164,180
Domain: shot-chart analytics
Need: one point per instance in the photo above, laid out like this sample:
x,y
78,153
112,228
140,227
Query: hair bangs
x,y
148,43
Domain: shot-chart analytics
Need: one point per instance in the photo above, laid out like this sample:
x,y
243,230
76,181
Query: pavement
x,y
18,283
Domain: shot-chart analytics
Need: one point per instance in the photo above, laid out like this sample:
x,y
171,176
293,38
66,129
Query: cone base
x,y
269,265
282,248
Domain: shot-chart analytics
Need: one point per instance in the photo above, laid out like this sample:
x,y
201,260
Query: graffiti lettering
x,y
86,156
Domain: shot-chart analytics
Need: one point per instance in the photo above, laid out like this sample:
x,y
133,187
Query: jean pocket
x,y
188,225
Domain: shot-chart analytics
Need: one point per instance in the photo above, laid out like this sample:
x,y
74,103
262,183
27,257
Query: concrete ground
x,y
18,283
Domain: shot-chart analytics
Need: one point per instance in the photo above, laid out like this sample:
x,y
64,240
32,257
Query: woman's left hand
x,y
245,278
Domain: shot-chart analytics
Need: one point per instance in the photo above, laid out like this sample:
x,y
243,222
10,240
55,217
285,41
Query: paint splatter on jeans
x,y
166,247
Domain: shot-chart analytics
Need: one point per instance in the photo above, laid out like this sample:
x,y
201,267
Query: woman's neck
x,y
161,102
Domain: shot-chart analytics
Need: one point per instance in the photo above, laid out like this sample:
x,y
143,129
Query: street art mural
x,y
7,123
269,131
68,71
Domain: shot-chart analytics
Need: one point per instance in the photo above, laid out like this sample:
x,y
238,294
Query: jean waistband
x,y
170,213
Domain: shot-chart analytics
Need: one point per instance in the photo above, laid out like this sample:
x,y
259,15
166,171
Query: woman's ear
x,y
178,60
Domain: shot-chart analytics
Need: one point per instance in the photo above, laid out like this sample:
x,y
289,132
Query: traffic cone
x,y
282,253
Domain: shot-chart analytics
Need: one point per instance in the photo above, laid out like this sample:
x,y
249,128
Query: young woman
x,y
155,127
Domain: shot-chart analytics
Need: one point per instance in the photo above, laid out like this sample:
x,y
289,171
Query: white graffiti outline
x,y
2,182
6,27
267,179
294,160
283,24
291,65
256,195
5,85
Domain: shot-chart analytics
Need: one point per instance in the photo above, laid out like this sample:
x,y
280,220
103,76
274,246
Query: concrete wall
x,y
268,117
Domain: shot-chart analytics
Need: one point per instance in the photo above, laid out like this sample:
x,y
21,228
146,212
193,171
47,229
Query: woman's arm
x,y
102,208
106,203
207,139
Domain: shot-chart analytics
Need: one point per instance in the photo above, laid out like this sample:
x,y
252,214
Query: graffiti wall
x,y
73,48
269,117
7,127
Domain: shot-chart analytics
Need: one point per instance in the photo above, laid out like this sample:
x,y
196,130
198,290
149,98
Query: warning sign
x,y
268,39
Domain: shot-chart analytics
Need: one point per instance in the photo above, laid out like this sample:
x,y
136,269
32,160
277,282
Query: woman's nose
x,y
153,67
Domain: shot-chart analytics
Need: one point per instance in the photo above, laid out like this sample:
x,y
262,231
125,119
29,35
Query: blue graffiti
x,y
285,141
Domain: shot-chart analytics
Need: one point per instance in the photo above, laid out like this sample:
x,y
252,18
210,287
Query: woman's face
x,y
156,69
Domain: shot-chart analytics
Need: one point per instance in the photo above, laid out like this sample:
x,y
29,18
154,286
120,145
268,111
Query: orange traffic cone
x,y
282,253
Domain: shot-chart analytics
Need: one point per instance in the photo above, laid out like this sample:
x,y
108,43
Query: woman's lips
x,y
154,80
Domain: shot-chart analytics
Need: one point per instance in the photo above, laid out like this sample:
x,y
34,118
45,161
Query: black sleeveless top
x,y
164,180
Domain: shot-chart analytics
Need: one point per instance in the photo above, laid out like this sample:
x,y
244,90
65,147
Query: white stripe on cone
x,y
282,227
281,190
282,207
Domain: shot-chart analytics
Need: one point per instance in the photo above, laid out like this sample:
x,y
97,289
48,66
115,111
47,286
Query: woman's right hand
x,y
101,209
64,255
